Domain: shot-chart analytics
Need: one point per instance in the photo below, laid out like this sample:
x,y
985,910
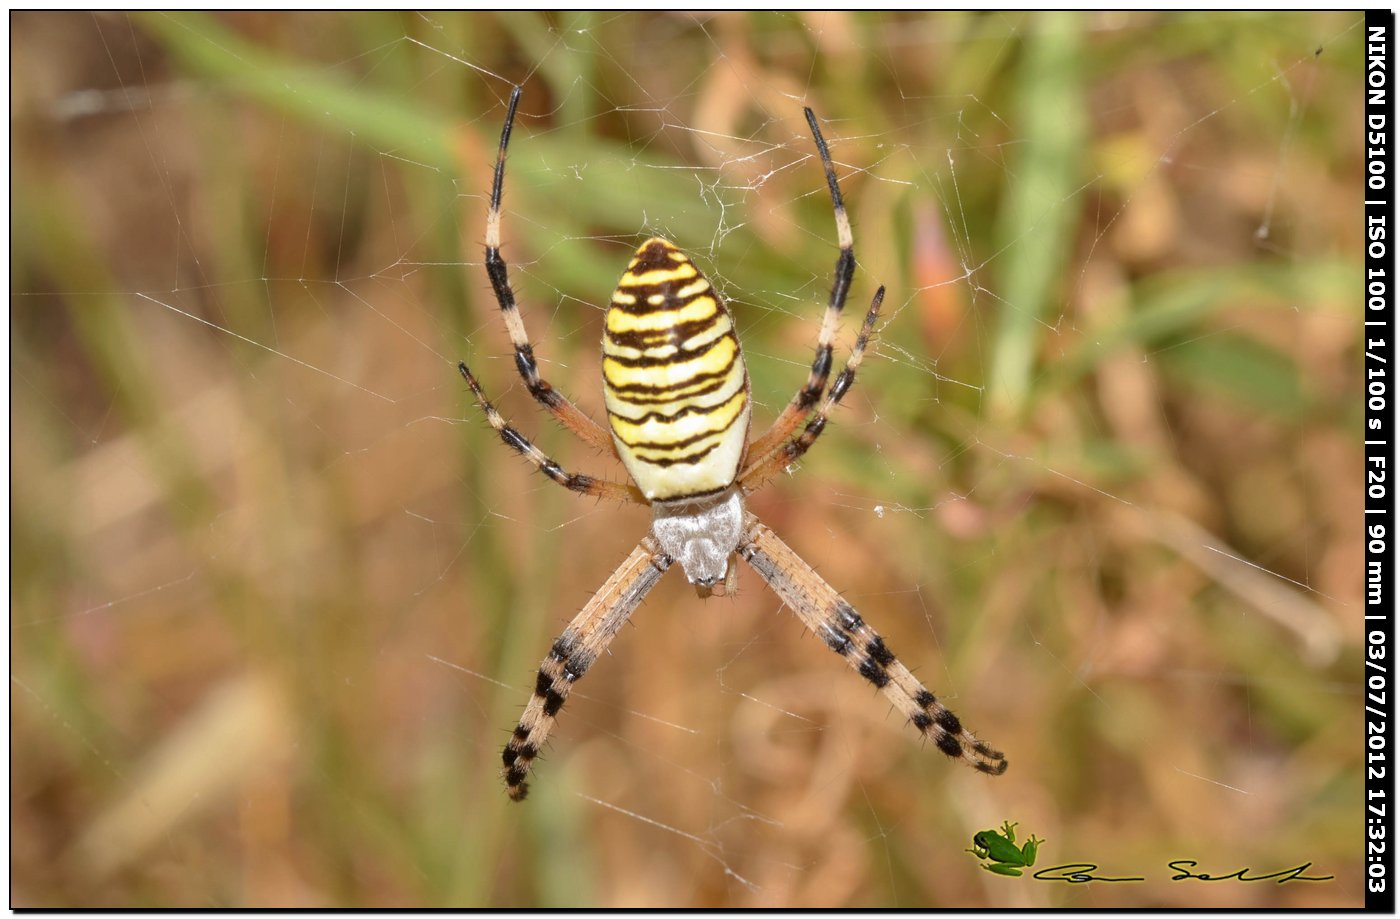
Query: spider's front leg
x,y
569,658
832,619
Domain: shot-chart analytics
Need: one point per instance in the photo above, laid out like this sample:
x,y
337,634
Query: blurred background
x,y
279,592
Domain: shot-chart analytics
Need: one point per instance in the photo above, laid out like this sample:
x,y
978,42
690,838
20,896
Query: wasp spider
x,y
677,395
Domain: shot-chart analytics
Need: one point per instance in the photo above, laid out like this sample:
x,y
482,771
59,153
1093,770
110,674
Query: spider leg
x,y
764,467
569,658
568,414
811,391
577,482
833,620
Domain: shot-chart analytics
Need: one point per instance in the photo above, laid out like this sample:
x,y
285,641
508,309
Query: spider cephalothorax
x,y
677,396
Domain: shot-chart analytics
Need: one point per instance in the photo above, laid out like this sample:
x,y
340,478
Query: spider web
x,y
280,592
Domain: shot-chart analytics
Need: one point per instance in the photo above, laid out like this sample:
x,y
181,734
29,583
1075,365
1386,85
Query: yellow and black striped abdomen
x,y
673,378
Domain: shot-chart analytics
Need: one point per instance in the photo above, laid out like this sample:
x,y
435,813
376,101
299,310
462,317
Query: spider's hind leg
x,y
573,481
811,392
568,414
761,467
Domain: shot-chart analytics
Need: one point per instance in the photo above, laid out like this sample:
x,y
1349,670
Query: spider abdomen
x,y
674,381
